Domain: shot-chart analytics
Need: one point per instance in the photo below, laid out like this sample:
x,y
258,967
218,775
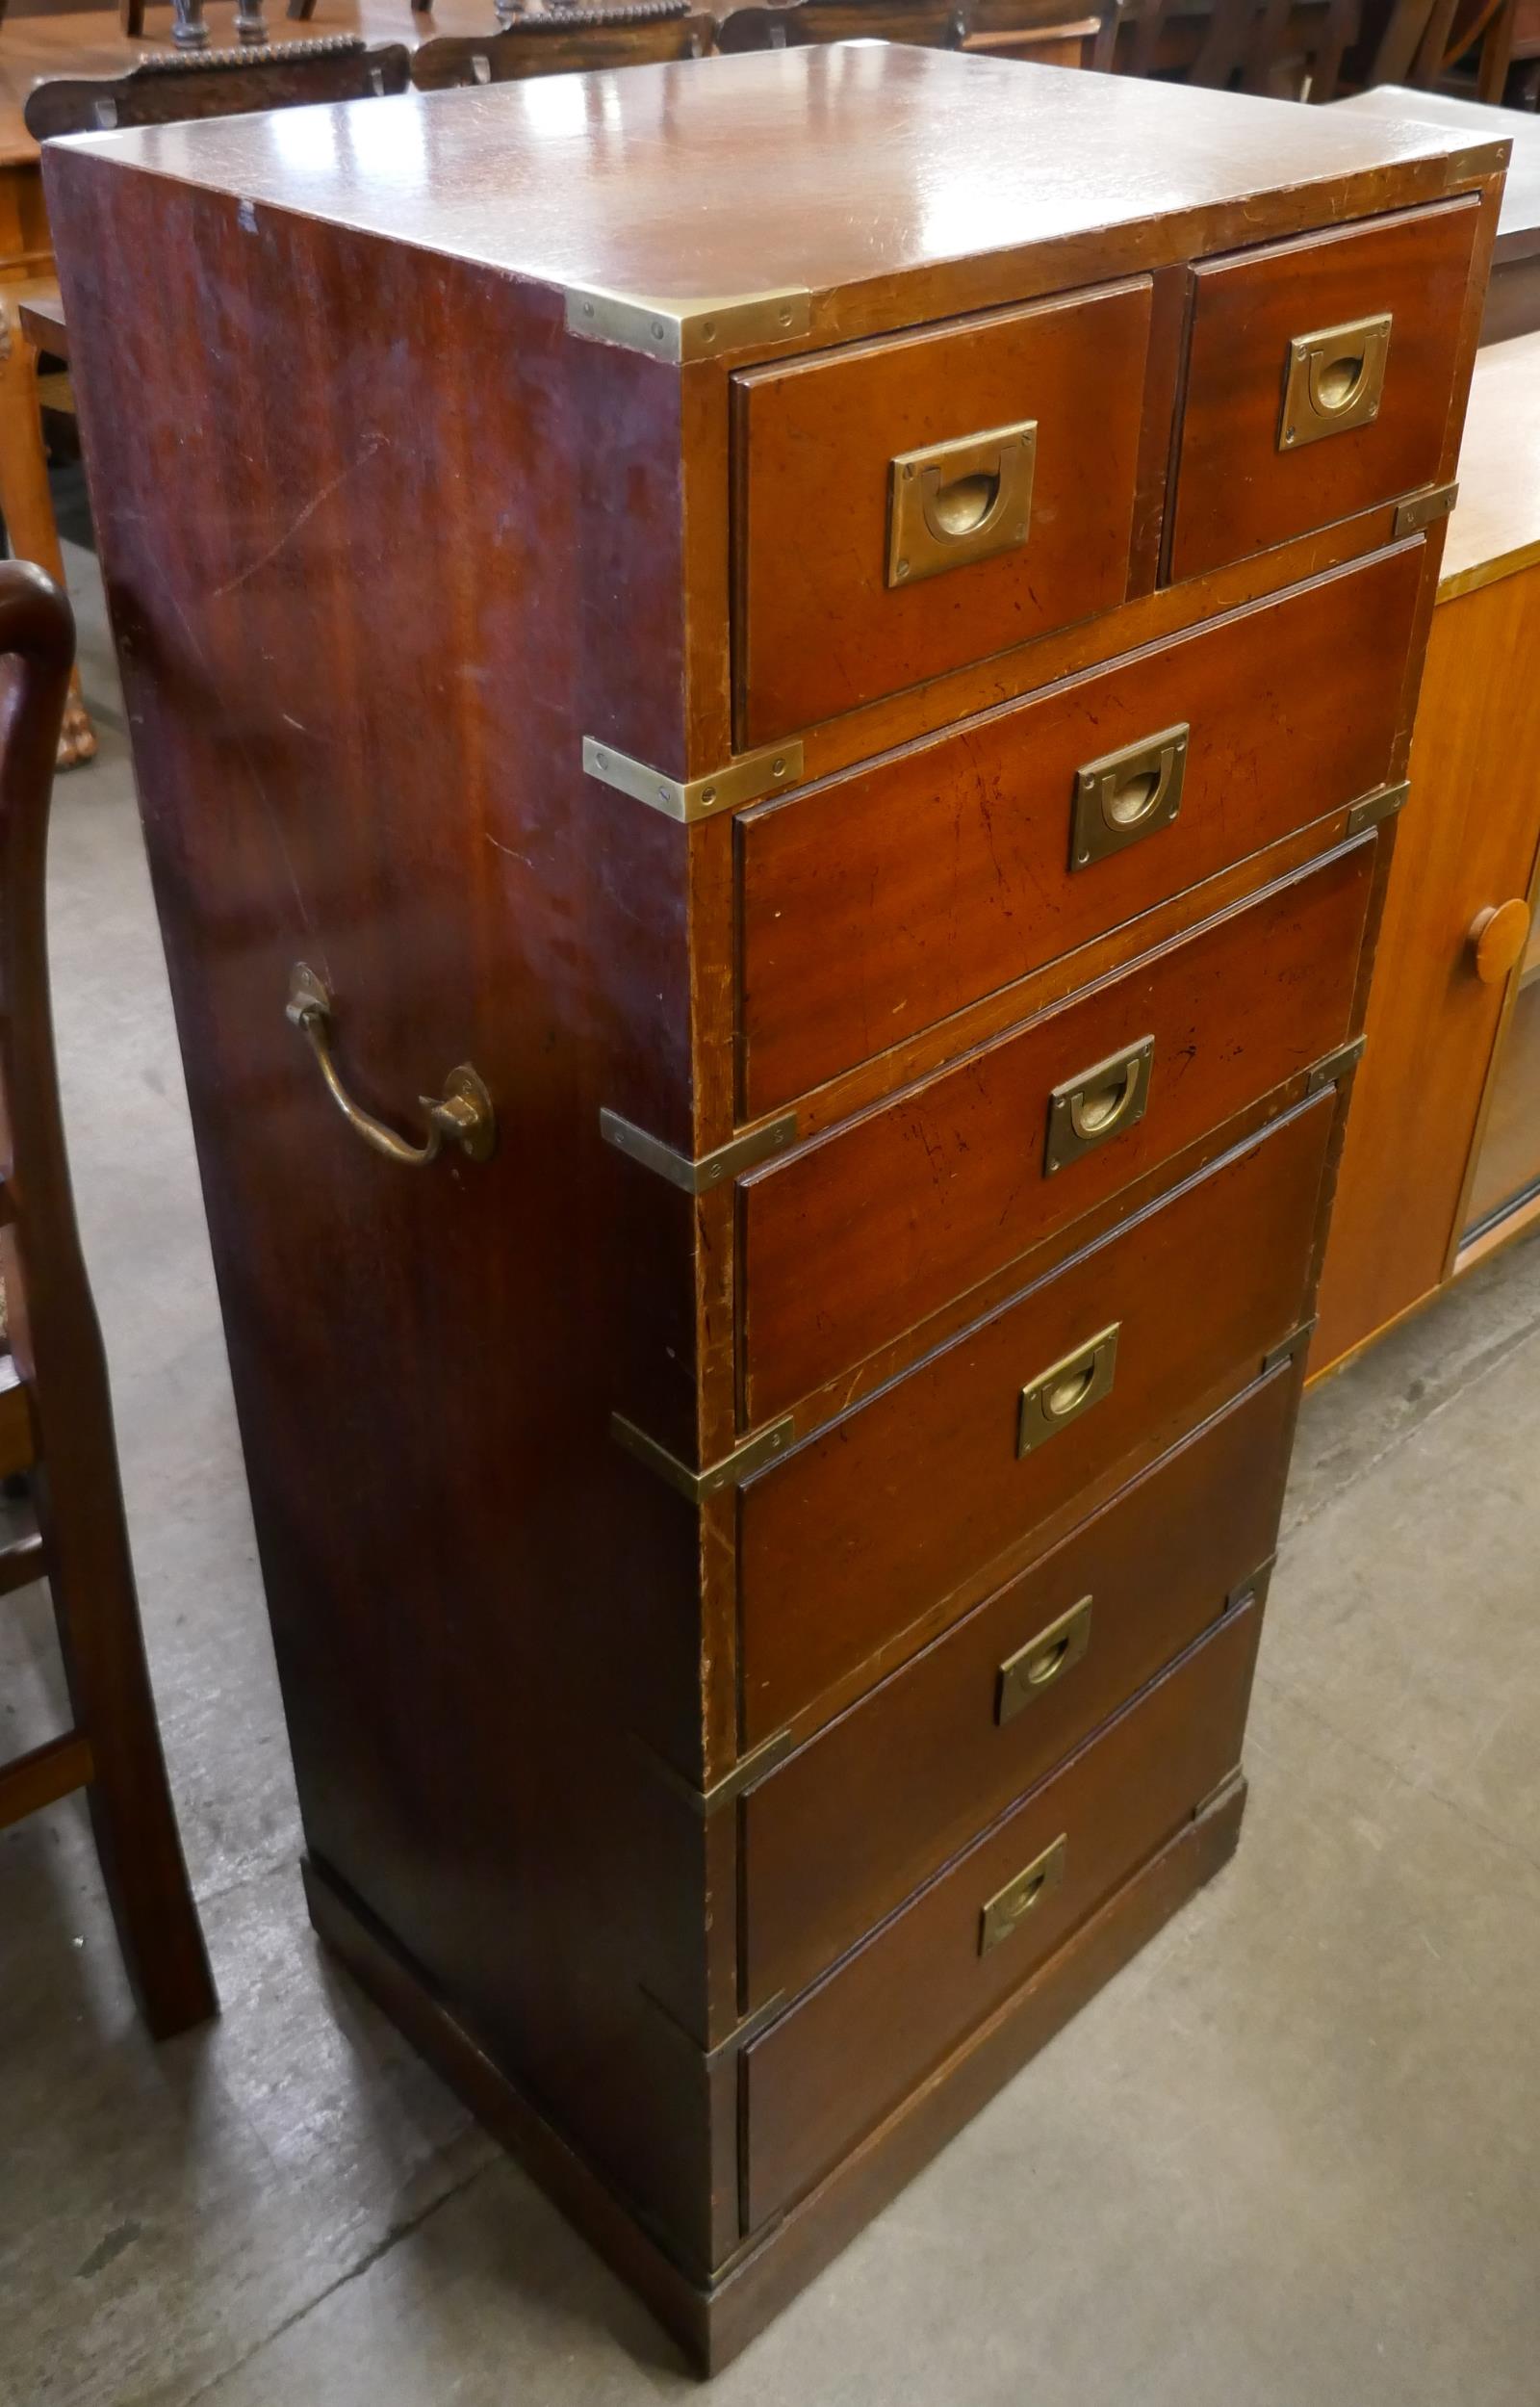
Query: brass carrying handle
x,y
1098,1104
1127,795
463,1113
1043,1661
1007,1909
1067,1390
1333,379
952,502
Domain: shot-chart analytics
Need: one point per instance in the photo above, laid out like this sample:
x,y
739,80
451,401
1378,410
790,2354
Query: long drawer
x,y
874,907
853,1823
864,1233
1054,1400
830,2069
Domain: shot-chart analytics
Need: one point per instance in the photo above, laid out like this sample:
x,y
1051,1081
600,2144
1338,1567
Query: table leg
x,y
25,501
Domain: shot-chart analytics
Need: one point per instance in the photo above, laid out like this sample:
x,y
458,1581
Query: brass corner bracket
x,y
698,1175
747,779
1424,509
681,331
1383,804
1334,1066
730,1472
1275,1359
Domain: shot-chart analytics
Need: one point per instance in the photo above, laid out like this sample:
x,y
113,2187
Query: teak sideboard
x,y
1441,1159
769,842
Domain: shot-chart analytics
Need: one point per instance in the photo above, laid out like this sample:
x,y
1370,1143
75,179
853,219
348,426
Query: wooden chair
x,y
158,90
564,42
55,1413
167,90
932,24
1292,49
1046,31
1043,32
1464,47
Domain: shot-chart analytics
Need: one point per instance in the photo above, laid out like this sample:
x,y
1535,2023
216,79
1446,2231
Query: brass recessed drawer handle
x,y
1098,1104
954,503
1333,380
1043,1661
463,1113
1007,1909
1128,794
1067,1389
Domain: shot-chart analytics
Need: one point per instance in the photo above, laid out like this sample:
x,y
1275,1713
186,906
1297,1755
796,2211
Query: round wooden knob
x,y
1497,939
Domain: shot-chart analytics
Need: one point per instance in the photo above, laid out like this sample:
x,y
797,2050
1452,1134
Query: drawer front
x,y
858,1819
912,504
851,1539
864,1234
1320,376
872,909
827,2072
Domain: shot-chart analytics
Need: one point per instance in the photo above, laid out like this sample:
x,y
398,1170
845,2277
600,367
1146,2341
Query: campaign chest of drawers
x,y
816,650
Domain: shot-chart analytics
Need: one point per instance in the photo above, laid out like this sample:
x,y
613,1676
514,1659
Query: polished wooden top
x,y
1496,526
1518,224
861,165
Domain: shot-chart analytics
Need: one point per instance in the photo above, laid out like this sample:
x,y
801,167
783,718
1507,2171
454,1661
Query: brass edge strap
x,y
1254,1591
751,1455
1477,159
1424,509
745,1771
1286,1351
1326,1073
745,780
697,1177
681,331
1383,804
737,2037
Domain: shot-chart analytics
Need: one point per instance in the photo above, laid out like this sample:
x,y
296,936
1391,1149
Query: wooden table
x,y
90,43
1513,295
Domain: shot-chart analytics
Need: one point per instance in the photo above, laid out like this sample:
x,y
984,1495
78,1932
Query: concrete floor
x,y
1290,2157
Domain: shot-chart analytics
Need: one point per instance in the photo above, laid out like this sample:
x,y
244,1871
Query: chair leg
x,y
131,1814
26,503
57,1347
131,18
1496,56
79,1504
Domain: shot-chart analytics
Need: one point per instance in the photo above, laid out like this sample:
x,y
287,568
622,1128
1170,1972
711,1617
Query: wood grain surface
x,y
875,907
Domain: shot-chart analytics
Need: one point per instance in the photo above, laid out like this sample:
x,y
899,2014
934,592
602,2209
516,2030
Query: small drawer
x,y
874,907
1320,376
826,2072
865,1232
837,1836
866,1530
912,504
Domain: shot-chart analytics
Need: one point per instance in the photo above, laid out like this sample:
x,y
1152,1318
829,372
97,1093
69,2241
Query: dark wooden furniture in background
x,y
1291,49
1441,1161
55,1413
1485,50
1513,295
562,41
167,90
827,693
